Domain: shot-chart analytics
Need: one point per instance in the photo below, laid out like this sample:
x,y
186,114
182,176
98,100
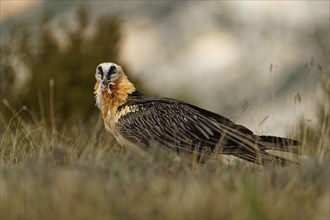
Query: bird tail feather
x,y
279,144
273,146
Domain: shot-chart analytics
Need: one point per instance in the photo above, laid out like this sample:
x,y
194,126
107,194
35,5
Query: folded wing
x,y
183,127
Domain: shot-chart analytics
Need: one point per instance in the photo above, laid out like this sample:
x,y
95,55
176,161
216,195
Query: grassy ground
x,y
81,173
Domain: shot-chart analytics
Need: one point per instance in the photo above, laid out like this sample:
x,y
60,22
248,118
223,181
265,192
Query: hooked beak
x,y
106,85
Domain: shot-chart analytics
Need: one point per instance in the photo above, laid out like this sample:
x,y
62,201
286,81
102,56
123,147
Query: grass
x,y
81,173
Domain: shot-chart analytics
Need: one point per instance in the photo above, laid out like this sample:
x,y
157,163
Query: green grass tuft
x,y
81,173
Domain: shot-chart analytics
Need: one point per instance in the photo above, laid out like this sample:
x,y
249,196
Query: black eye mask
x,y
100,71
111,71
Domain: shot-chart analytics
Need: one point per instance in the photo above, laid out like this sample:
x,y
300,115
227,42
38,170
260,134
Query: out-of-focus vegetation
x,y
53,79
79,172
314,130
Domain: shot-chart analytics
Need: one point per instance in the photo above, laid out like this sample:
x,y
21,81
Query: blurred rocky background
x,y
263,64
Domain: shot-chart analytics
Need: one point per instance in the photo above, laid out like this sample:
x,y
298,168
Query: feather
x,y
171,123
139,121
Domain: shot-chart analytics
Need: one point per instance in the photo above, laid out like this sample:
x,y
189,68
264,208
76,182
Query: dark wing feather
x,y
184,127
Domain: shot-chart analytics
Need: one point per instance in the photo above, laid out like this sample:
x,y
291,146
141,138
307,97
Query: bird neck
x,y
119,94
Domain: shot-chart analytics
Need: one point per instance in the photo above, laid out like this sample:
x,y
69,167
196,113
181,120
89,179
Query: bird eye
x,y
112,71
100,71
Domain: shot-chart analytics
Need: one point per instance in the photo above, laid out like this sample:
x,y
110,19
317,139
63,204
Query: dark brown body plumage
x,y
138,121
